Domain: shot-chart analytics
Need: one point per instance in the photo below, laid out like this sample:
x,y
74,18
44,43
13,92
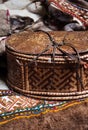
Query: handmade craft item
x,y
65,9
18,111
48,65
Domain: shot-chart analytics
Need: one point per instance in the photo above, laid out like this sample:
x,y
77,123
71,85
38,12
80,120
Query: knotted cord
x,y
55,46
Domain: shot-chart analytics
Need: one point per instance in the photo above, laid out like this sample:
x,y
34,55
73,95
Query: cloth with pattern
x,y
18,111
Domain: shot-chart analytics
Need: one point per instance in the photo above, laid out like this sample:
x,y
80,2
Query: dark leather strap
x,y
76,57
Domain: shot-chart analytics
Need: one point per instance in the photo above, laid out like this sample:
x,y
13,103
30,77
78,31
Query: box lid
x,y
35,42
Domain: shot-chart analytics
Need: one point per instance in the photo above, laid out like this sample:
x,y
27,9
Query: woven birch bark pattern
x,y
39,75
61,79
15,73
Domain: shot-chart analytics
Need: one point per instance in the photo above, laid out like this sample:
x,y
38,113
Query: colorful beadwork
x,y
16,106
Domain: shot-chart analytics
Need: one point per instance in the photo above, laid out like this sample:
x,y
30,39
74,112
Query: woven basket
x,y
48,65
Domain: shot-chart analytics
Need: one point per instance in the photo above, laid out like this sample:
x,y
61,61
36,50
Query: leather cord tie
x,y
57,46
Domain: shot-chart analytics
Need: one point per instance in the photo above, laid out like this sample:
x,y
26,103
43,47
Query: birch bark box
x,y
48,65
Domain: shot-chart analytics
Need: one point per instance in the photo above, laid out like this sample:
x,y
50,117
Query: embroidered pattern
x,y
11,103
71,9
14,106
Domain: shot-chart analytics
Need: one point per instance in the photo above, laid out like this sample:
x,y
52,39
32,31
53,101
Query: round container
x,y
48,65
